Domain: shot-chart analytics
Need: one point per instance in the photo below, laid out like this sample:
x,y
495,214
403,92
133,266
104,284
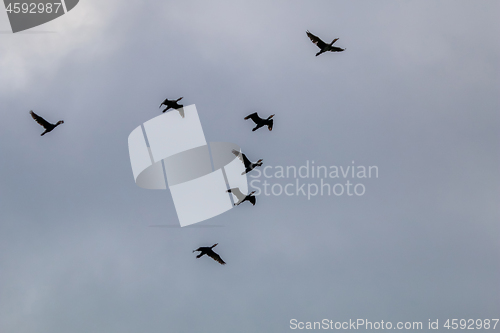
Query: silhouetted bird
x,y
242,197
209,252
322,45
173,104
260,122
48,126
249,166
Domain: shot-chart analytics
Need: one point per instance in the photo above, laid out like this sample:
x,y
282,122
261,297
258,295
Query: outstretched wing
x,y
165,102
246,161
336,49
40,120
236,191
216,257
242,157
181,111
252,200
255,117
316,40
237,153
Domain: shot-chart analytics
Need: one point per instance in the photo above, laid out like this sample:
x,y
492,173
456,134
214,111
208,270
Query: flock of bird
x,y
249,166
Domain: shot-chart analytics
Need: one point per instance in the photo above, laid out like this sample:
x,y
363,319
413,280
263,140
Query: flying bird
x,y
260,122
174,105
45,124
249,166
209,252
322,45
242,197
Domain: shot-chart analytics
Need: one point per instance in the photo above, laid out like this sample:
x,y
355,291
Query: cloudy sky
x,y
416,94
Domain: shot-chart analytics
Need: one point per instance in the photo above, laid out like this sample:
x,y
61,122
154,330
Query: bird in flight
x,y
260,122
209,252
249,166
242,197
322,45
45,124
172,104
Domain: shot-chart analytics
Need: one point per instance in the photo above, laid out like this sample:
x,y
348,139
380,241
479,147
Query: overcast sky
x,y
416,93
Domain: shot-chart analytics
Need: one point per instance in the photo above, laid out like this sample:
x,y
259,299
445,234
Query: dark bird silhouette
x,y
249,166
242,197
209,252
172,104
45,124
260,122
322,45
